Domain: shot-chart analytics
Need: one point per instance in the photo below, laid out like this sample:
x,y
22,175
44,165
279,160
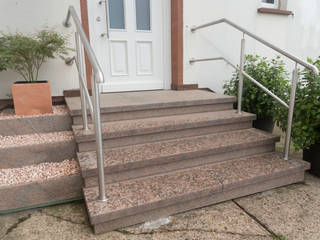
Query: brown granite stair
x,y
138,131
29,145
167,152
22,150
42,188
146,104
159,157
134,201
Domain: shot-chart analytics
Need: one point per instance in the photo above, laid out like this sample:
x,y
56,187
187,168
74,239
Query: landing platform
x,y
132,101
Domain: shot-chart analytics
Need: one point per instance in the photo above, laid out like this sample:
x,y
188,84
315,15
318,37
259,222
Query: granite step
x,y
138,131
137,105
39,185
11,124
135,201
161,157
23,150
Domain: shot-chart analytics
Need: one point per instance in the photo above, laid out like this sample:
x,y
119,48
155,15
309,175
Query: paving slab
x,y
293,212
64,222
74,212
221,221
9,222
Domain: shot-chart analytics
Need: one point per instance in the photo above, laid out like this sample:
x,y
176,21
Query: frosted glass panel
x,y
143,14
116,14
268,1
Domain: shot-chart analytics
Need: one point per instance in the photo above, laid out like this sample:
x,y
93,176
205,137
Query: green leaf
x,y
26,54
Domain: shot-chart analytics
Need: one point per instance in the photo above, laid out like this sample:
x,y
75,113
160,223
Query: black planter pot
x,y
264,124
312,156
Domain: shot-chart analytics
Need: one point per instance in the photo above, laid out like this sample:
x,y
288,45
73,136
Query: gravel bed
x,y
40,172
9,113
34,139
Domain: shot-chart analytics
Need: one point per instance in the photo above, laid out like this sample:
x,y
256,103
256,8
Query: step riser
x,y
32,195
20,156
177,164
31,125
167,135
119,116
200,202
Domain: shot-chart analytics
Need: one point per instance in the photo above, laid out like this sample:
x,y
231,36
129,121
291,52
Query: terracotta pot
x,y
32,98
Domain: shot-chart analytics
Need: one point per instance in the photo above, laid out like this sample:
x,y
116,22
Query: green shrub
x,y
306,117
272,75
26,54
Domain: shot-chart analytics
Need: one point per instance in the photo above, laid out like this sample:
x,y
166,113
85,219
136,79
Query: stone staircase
x,y
35,155
167,152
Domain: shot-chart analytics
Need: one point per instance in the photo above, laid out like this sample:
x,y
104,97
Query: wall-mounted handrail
x,y
82,43
244,74
245,31
266,90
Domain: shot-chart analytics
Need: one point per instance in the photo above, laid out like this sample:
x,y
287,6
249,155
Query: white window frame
x,y
270,5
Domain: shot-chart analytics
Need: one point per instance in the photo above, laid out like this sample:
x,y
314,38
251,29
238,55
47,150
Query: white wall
x,y
27,16
298,34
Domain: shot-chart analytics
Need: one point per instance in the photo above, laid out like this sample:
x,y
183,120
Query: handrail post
x,y
99,144
240,86
82,44
291,110
80,57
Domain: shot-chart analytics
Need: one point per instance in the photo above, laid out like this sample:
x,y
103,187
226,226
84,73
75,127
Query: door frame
x,y
174,74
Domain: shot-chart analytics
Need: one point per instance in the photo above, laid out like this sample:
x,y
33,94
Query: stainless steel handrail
x,y
82,43
244,74
266,90
245,31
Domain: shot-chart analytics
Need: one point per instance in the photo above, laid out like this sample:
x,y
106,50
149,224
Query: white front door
x,y
132,41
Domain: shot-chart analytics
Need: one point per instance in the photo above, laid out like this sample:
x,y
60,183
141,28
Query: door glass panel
x,y
268,1
143,14
116,14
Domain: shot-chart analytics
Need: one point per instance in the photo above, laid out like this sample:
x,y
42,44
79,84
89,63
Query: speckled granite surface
x,y
130,197
131,101
153,153
162,124
9,113
34,139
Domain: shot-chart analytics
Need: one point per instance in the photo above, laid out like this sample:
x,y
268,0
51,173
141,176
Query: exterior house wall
x,y
26,16
298,34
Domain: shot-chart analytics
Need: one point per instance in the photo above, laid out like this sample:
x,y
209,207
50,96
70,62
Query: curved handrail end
x,y
66,24
100,76
315,70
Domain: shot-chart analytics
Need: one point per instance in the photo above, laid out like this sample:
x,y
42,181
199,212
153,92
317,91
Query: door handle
x,y
106,34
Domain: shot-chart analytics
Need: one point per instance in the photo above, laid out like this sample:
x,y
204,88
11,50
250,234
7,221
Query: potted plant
x,y
306,118
272,75
25,56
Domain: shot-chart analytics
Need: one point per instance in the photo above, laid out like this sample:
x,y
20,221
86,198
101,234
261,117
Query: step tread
x,y
12,177
122,158
140,195
34,139
133,101
9,114
160,124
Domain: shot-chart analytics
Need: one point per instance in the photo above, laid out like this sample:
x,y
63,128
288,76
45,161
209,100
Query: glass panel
x,y
268,1
116,14
143,14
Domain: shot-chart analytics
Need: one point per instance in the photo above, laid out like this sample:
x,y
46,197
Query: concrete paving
x,y
292,212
